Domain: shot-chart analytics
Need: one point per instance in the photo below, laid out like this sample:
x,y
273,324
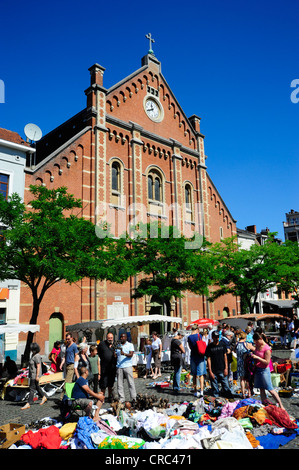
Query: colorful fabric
x,y
44,438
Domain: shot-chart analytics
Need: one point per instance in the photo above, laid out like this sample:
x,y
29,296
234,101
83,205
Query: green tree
x,y
46,242
168,262
246,273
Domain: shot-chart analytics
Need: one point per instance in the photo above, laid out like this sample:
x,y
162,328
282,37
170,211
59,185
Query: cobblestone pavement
x,y
10,411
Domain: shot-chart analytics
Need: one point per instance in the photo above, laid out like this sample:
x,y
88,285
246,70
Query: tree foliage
x,y
168,262
47,242
246,273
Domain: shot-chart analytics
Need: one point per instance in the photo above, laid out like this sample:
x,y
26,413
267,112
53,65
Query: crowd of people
x,y
221,355
229,354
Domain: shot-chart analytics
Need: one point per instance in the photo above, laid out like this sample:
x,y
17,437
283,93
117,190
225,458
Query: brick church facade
x,y
131,154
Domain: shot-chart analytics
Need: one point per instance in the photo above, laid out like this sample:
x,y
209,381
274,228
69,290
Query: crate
x,y
10,433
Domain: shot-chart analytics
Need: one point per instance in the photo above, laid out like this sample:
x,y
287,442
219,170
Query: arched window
x,y
188,197
157,189
115,176
150,186
116,183
188,203
154,184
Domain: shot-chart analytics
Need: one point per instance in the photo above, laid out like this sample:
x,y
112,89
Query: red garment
x,y
55,367
44,438
280,417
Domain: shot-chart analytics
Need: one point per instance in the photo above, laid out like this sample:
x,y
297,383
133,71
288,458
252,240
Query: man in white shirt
x,y
125,368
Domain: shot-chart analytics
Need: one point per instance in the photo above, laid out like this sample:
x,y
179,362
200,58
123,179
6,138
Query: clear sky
x,y
230,62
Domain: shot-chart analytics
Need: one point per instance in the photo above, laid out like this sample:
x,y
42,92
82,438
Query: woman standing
x,y
148,356
54,357
157,353
84,362
205,336
262,379
242,348
177,351
35,372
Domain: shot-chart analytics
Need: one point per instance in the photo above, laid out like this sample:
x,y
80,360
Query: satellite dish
x,y
33,132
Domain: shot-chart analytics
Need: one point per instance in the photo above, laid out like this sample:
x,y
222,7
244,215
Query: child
x,y
148,356
95,367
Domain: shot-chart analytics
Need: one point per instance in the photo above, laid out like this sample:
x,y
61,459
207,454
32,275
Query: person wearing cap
x,y
217,363
176,354
197,361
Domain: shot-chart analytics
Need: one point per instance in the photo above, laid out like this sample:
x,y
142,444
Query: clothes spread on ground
x,y
205,423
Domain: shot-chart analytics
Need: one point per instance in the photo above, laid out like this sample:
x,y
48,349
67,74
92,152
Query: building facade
x,y
291,226
130,155
13,154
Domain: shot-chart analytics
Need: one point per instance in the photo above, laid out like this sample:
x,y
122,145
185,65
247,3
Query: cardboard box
x,y
23,381
10,433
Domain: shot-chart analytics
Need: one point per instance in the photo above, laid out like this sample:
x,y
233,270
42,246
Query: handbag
x,y
201,346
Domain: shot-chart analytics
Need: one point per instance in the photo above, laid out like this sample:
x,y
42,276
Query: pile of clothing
x,y
207,423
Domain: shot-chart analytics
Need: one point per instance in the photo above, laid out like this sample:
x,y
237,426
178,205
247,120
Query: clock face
x,y
152,109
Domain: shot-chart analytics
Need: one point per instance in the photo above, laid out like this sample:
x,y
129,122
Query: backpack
x,y
65,408
201,346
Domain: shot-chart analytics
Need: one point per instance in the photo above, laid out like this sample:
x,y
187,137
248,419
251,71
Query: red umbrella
x,y
204,322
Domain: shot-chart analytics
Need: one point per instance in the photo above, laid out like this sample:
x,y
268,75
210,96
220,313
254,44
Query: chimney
x,y
251,228
195,122
96,75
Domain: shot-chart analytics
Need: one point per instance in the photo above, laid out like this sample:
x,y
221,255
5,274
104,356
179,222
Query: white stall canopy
x,y
18,328
125,321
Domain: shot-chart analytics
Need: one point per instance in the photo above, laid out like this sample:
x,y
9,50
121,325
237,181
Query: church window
x,y
115,176
154,185
188,203
116,183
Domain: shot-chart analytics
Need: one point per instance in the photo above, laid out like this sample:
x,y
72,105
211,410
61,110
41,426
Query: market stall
x,y
94,331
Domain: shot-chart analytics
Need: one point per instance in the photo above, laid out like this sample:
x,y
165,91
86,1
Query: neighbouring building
x,y
134,154
274,300
13,154
291,226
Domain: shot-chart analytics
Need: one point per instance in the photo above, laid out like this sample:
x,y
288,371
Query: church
x,y
130,155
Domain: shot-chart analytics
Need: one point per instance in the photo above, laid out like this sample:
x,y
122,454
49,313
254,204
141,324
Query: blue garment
x,y
124,361
220,377
262,378
78,391
85,427
249,338
177,378
70,353
195,356
198,367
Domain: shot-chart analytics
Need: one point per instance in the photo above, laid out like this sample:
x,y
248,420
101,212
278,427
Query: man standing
x,y
228,340
107,355
197,361
71,358
216,353
176,351
83,394
125,368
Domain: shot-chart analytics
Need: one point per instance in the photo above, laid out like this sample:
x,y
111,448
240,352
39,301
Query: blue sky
x,y
230,62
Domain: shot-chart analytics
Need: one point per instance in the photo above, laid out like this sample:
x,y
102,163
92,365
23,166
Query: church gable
x,y
146,99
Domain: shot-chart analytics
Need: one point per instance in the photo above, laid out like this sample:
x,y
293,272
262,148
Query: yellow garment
x,y
253,441
67,431
176,417
260,416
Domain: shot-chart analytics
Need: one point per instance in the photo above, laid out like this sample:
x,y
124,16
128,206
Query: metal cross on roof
x,y
149,37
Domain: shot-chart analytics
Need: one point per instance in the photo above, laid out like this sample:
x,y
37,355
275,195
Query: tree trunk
x,y
33,321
